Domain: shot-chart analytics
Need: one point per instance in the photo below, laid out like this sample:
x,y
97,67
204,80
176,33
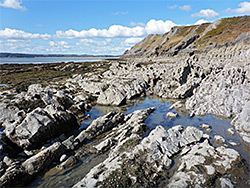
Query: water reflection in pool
x,y
158,117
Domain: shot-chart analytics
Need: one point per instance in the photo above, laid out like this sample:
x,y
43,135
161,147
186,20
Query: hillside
x,y
190,39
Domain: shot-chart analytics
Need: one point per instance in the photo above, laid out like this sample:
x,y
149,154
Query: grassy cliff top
x,y
197,37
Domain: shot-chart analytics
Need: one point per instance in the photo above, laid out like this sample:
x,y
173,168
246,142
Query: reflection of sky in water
x,y
94,113
158,117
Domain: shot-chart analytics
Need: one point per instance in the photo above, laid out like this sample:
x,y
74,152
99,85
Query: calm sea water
x,y
39,60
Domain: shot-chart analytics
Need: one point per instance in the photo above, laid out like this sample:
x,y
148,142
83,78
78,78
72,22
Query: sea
x,y
41,60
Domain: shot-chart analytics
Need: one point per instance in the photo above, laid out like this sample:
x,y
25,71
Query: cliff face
x,y
191,39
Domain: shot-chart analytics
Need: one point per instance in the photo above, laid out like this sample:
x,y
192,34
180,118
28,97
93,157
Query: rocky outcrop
x,y
242,123
202,157
144,162
222,93
38,162
99,126
112,96
38,126
38,116
15,173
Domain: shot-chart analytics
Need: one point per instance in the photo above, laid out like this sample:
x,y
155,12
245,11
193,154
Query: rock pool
x,y
67,178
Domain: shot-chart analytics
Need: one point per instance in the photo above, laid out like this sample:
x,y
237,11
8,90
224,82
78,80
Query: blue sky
x,y
100,26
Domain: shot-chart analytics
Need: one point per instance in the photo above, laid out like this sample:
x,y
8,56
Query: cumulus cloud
x,y
185,7
132,41
91,42
14,4
12,45
158,26
118,31
207,13
114,31
244,8
19,34
58,46
199,22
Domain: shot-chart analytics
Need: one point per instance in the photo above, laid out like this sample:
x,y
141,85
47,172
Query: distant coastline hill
x,y
23,55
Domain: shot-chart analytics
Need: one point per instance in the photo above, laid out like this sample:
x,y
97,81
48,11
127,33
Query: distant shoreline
x,y
23,55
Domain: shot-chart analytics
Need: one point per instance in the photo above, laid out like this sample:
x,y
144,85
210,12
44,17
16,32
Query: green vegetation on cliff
x,y
191,38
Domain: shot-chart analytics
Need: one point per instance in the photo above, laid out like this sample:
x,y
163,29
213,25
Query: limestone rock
x,y
203,155
63,158
172,115
38,162
226,183
69,163
152,154
39,125
242,123
231,131
206,128
219,139
13,176
112,96
176,105
221,93
99,126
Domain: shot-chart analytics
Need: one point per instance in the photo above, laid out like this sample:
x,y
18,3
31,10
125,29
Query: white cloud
x,y
173,7
199,22
137,24
108,40
120,13
208,13
91,42
59,44
158,26
185,7
14,4
114,31
132,41
19,34
244,8
12,45
118,31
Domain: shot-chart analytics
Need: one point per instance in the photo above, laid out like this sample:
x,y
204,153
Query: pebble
x,y
231,131
219,139
63,157
172,115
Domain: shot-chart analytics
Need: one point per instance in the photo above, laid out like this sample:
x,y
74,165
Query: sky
x,y
100,27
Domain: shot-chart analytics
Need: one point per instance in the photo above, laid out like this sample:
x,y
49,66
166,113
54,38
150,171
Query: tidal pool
x,y
67,178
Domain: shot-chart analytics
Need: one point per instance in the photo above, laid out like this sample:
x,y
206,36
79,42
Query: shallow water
x,y
2,85
158,117
41,60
